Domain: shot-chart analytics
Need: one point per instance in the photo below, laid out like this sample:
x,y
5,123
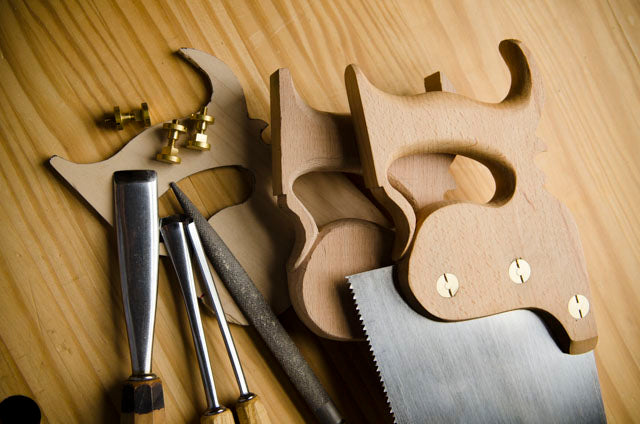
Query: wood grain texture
x,y
477,243
62,65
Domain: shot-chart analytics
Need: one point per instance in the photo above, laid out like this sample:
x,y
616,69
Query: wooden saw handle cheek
x,y
479,246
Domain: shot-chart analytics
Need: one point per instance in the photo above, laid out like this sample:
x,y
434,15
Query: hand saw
x,y
459,341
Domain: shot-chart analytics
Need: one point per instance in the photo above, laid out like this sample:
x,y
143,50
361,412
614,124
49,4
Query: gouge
x,y
136,223
175,240
259,314
250,409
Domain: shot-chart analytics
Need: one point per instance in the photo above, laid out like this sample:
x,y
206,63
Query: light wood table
x,y
63,64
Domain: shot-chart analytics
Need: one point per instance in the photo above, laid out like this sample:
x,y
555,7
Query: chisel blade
x,y
503,368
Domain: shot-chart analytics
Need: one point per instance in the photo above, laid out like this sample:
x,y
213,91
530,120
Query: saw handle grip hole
x,y
19,409
474,181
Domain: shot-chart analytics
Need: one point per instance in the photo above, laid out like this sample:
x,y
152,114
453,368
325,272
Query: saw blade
x,y
502,368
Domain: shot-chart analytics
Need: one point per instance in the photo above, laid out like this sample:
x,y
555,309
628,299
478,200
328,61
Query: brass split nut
x,y
117,119
169,153
199,139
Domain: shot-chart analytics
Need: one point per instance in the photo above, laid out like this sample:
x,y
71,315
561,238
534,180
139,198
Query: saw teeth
x,y
373,355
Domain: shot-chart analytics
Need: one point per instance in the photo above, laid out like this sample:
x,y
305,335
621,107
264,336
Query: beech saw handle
x,y
142,401
306,140
477,245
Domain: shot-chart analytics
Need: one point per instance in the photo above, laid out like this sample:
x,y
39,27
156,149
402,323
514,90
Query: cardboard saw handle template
x,y
476,243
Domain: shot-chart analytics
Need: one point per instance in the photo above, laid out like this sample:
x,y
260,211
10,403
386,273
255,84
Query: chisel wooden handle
x,y
224,416
252,411
142,401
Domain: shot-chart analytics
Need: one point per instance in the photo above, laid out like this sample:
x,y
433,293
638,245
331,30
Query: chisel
x,y
136,223
175,240
250,409
259,314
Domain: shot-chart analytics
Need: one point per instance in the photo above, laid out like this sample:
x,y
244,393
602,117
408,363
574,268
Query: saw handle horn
x,y
480,247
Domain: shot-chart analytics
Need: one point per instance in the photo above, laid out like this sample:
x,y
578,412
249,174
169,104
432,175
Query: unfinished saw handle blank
x,y
476,243
306,140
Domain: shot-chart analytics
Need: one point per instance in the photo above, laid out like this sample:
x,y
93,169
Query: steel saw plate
x,y
505,368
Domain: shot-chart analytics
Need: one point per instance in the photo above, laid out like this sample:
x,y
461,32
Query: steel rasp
x,y
502,368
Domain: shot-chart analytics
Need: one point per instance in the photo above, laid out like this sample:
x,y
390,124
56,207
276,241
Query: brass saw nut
x,y
169,153
199,139
117,119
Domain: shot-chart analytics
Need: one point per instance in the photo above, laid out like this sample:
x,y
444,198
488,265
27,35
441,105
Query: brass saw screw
x,y
519,271
169,153
447,285
199,139
118,119
578,306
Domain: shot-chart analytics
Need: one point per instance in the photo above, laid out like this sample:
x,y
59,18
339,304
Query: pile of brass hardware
x,y
169,153
198,141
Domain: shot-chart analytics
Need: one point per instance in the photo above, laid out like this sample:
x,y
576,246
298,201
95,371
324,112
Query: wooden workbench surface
x,y
63,64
